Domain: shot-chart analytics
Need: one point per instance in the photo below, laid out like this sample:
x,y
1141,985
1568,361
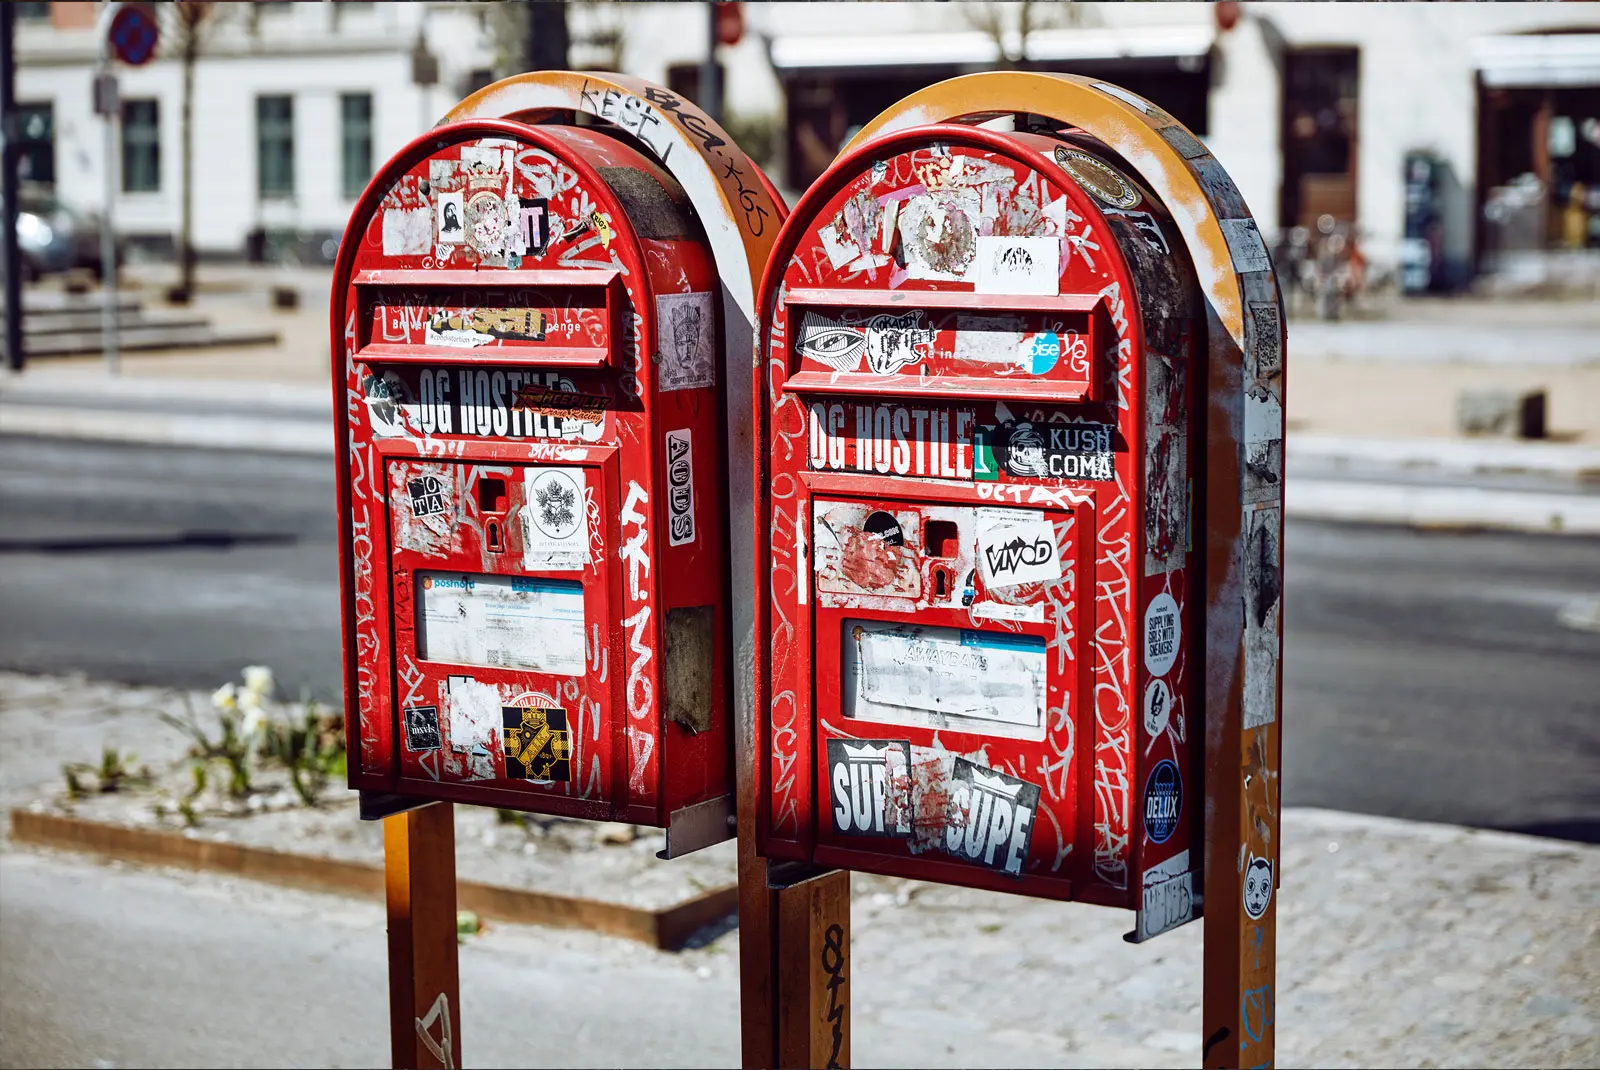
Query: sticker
x,y
486,222
407,231
1157,707
1122,95
828,341
871,781
422,728
1257,887
1167,898
1016,546
387,397
474,723
1185,143
1054,451
1163,801
938,236
1245,247
1098,178
529,230
554,535
934,443
485,401
507,622
686,341
480,326
427,495
1033,613
1162,632
932,676
896,341
860,550
537,744
1010,264
1263,446
1263,593
452,213
1266,348
680,488
841,251
991,818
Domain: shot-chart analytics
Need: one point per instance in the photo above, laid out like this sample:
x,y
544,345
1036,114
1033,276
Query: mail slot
x,y
530,457
980,357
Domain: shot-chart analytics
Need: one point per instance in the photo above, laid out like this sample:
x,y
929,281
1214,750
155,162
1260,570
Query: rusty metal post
x,y
419,861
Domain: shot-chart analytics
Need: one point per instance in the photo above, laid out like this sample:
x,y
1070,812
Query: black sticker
x,y
537,745
422,728
1163,801
427,495
871,783
531,228
1054,451
991,817
885,526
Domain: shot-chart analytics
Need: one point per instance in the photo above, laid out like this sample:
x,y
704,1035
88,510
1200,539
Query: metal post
x,y
710,76
419,864
12,256
108,237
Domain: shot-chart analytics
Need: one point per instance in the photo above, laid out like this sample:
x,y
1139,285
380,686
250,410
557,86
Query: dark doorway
x,y
1320,96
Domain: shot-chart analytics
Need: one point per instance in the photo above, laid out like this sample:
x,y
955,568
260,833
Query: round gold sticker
x,y
1100,179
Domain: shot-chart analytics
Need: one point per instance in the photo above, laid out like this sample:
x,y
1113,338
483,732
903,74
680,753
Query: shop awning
x,y
974,49
1538,60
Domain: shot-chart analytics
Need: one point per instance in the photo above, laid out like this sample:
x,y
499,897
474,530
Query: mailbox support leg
x,y
794,966
419,861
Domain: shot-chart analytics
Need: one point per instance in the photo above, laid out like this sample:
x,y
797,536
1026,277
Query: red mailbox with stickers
x,y
982,358
530,450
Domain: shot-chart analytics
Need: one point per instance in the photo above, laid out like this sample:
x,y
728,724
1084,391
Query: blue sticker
x,y
1163,800
1046,351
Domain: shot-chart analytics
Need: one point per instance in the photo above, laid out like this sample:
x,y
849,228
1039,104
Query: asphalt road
x,y
1428,675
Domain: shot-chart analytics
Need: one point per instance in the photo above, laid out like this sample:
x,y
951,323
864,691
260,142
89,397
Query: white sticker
x,y
930,676
452,217
1162,632
474,723
686,331
554,532
1245,247
407,231
1263,416
1033,614
1016,546
1168,896
1123,95
1009,264
1157,707
1263,596
680,488
1257,887
841,251
506,622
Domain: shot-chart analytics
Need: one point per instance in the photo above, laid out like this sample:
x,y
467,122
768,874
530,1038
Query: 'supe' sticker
x,y
871,782
990,821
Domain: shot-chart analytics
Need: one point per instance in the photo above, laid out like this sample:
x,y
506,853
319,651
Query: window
x,y
141,146
36,138
275,146
26,10
356,109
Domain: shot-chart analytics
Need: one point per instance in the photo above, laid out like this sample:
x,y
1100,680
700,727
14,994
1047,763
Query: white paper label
x,y
1009,264
1162,633
555,534
507,622
1168,896
1016,546
925,675
686,330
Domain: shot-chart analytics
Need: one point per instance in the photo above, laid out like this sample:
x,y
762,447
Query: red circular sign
x,y
133,34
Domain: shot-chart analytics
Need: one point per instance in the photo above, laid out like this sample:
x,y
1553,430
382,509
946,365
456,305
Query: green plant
x,y
113,774
312,749
241,723
70,772
186,809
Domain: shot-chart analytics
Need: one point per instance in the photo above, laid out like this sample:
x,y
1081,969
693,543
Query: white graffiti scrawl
x,y
639,691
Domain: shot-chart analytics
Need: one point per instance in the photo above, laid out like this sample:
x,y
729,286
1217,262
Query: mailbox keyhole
x,y
492,495
939,537
494,535
941,583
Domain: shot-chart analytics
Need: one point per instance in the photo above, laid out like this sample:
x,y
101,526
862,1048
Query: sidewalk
x,y
1399,944
1369,421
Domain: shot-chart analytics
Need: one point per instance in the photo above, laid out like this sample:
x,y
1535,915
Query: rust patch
x,y
687,663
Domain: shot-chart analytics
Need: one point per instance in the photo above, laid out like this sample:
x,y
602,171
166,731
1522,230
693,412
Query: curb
x,y
1475,457
1458,508
245,433
664,930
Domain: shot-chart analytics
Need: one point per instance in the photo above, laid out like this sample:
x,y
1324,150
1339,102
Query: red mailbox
x,y
530,458
982,352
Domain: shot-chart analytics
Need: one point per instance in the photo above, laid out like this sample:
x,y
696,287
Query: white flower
x,y
258,680
225,697
255,719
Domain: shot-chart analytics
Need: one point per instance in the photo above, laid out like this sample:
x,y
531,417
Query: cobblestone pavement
x,y
1400,944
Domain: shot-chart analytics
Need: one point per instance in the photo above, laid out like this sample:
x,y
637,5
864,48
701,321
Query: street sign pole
x,y
106,104
12,256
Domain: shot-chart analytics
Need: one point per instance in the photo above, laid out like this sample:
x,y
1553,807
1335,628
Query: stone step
x,y
145,336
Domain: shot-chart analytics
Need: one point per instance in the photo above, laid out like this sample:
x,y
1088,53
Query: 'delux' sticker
x,y
1163,801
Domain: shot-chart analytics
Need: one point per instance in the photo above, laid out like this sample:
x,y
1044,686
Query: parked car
x,y
54,237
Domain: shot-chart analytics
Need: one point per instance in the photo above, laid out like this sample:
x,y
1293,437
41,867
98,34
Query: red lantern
x,y
729,19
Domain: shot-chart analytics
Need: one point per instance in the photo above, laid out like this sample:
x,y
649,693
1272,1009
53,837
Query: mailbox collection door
x,y
978,363
533,586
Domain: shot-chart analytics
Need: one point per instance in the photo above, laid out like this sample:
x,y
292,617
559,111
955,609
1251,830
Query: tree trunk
x,y
548,39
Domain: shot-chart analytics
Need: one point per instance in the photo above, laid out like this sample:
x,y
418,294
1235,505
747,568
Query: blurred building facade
x,y
1470,129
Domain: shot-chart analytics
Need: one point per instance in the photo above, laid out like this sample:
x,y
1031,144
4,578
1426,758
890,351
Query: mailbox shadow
x,y
185,540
